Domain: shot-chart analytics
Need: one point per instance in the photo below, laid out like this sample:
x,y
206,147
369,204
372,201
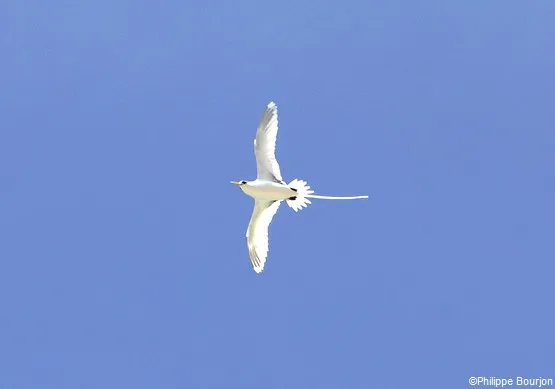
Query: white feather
x,y
303,191
257,232
265,145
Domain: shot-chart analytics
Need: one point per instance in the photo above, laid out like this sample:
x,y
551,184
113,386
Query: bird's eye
x,y
243,182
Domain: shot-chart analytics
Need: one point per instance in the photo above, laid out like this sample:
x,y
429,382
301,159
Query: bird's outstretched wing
x,y
257,233
265,146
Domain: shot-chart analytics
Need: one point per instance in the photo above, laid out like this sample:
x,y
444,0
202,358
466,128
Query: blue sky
x,y
123,260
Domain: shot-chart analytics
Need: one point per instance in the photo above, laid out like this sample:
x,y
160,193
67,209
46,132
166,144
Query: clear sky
x,y
123,261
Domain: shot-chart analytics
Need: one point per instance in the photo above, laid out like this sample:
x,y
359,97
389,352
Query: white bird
x,y
269,189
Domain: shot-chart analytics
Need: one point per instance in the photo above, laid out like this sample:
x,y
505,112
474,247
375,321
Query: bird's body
x,y
269,189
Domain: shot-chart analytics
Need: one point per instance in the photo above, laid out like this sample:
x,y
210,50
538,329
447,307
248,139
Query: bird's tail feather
x,y
304,193
337,197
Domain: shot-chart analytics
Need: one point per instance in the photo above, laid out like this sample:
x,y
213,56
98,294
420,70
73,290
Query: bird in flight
x,y
269,189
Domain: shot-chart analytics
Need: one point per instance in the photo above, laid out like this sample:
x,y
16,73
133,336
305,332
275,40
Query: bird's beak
x,y
235,183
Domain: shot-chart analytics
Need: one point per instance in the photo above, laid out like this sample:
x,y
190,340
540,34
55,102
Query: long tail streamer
x,y
304,193
336,197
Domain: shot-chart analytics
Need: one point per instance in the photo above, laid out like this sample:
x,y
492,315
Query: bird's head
x,y
239,183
